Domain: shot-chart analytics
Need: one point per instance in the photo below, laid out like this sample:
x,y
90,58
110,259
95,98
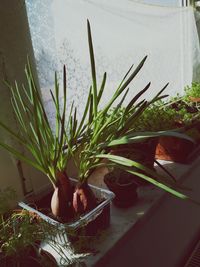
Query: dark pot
x,y
124,188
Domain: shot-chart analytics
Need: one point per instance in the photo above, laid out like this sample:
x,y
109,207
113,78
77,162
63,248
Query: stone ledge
x,y
122,220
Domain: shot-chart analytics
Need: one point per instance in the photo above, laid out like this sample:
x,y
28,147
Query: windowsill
x,y
122,220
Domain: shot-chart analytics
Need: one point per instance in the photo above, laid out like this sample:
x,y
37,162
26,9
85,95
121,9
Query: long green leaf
x,y
160,185
156,97
38,121
142,136
101,88
132,76
128,163
130,121
136,97
34,89
22,157
84,114
62,120
123,86
93,70
91,114
18,115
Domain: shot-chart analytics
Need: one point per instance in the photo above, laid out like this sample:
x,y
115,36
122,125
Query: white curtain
x,y
123,33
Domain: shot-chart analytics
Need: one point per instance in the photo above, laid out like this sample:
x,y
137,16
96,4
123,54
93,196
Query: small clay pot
x,y
177,149
194,99
173,149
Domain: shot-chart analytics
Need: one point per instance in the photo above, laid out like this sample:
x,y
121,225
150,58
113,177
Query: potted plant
x,y
89,138
184,115
20,242
124,187
143,151
113,127
38,138
192,93
20,237
150,120
24,237
153,119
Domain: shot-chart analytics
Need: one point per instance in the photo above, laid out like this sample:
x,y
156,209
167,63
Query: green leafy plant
x,y
39,139
20,245
155,118
89,137
103,131
21,232
36,134
192,91
181,110
183,114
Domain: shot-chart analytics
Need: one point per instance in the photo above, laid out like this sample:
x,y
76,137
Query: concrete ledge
x,y
125,222
166,235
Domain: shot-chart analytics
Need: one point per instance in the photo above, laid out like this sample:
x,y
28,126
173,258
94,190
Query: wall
x,y
15,45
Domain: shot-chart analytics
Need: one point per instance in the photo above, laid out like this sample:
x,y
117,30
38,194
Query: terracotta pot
x,y
125,190
194,99
173,149
177,149
83,198
62,197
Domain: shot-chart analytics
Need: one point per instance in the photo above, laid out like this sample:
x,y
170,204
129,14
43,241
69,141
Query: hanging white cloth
x,y
123,33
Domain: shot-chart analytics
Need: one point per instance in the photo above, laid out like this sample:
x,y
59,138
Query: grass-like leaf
x,y
93,70
142,136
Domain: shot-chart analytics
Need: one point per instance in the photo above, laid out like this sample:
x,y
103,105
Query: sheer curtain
x,y
169,3
124,31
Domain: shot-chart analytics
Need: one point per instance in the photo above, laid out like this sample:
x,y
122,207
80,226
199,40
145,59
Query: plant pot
x,y
194,99
142,152
173,149
176,149
86,225
125,190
